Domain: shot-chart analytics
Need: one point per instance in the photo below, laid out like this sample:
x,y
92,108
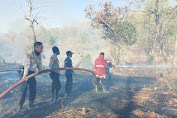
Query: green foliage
x,y
114,54
150,59
127,33
172,30
30,46
156,28
87,63
97,47
113,22
52,40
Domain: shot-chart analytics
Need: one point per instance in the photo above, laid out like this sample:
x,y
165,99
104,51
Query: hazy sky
x,y
53,13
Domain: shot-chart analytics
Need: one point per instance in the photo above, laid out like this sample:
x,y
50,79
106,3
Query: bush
x,y
150,59
30,46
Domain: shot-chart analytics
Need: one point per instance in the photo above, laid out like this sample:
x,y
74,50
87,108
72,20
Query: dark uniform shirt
x,y
68,63
107,69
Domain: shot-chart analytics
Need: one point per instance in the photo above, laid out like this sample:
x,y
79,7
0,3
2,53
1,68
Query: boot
x,y
96,88
105,91
31,105
53,100
20,108
65,95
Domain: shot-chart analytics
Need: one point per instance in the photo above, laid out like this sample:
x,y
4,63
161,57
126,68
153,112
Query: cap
x,y
102,53
109,59
69,52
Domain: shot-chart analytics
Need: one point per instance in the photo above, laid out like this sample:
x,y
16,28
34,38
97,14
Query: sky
x,y
52,13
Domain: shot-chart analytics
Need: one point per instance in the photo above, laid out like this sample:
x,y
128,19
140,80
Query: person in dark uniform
x,y
54,63
110,65
31,63
68,73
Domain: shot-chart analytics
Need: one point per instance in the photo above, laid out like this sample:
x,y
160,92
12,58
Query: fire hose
x,y
37,73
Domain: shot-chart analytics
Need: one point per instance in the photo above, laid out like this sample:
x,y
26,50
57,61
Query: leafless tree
x,y
31,19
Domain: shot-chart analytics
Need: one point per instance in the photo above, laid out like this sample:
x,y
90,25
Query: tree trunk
x,y
31,20
175,57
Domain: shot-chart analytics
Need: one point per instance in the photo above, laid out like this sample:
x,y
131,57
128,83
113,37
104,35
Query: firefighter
x,y
31,63
99,70
110,65
68,73
54,63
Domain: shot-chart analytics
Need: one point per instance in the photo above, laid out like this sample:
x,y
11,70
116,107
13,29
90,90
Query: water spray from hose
x,y
146,66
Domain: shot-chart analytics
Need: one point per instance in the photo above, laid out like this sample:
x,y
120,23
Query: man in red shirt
x,y
99,70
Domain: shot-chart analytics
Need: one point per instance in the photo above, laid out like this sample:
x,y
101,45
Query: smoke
x,y
18,25
146,66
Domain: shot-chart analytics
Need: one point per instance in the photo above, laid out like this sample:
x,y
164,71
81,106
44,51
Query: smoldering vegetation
x,y
141,92
144,35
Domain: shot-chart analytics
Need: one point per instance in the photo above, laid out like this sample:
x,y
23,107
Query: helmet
x,y
109,59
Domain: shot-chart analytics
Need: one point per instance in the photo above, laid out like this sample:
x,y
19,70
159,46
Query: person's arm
x,y
94,70
106,64
67,66
110,65
67,62
113,65
39,66
51,62
26,64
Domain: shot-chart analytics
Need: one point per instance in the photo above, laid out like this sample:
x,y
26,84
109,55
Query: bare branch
x,y
26,17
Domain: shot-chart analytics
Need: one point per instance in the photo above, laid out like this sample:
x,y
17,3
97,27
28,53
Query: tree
x,y
158,28
115,24
31,19
12,37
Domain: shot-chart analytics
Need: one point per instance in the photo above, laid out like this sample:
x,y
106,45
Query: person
x,y
31,63
110,65
68,73
54,63
99,70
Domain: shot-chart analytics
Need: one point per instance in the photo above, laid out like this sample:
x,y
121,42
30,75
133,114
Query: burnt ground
x,y
129,97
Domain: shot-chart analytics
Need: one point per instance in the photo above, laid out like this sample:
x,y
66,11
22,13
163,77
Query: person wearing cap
x,y
110,65
31,62
99,70
54,63
68,73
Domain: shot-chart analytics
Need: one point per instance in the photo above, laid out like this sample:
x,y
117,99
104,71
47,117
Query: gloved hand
x,y
93,71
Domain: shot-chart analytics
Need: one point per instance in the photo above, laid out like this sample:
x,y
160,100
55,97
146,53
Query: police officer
x,y
54,63
31,63
68,73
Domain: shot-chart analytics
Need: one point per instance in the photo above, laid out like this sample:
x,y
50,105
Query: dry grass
x,y
80,113
143,96
143,114
165,85
172,102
